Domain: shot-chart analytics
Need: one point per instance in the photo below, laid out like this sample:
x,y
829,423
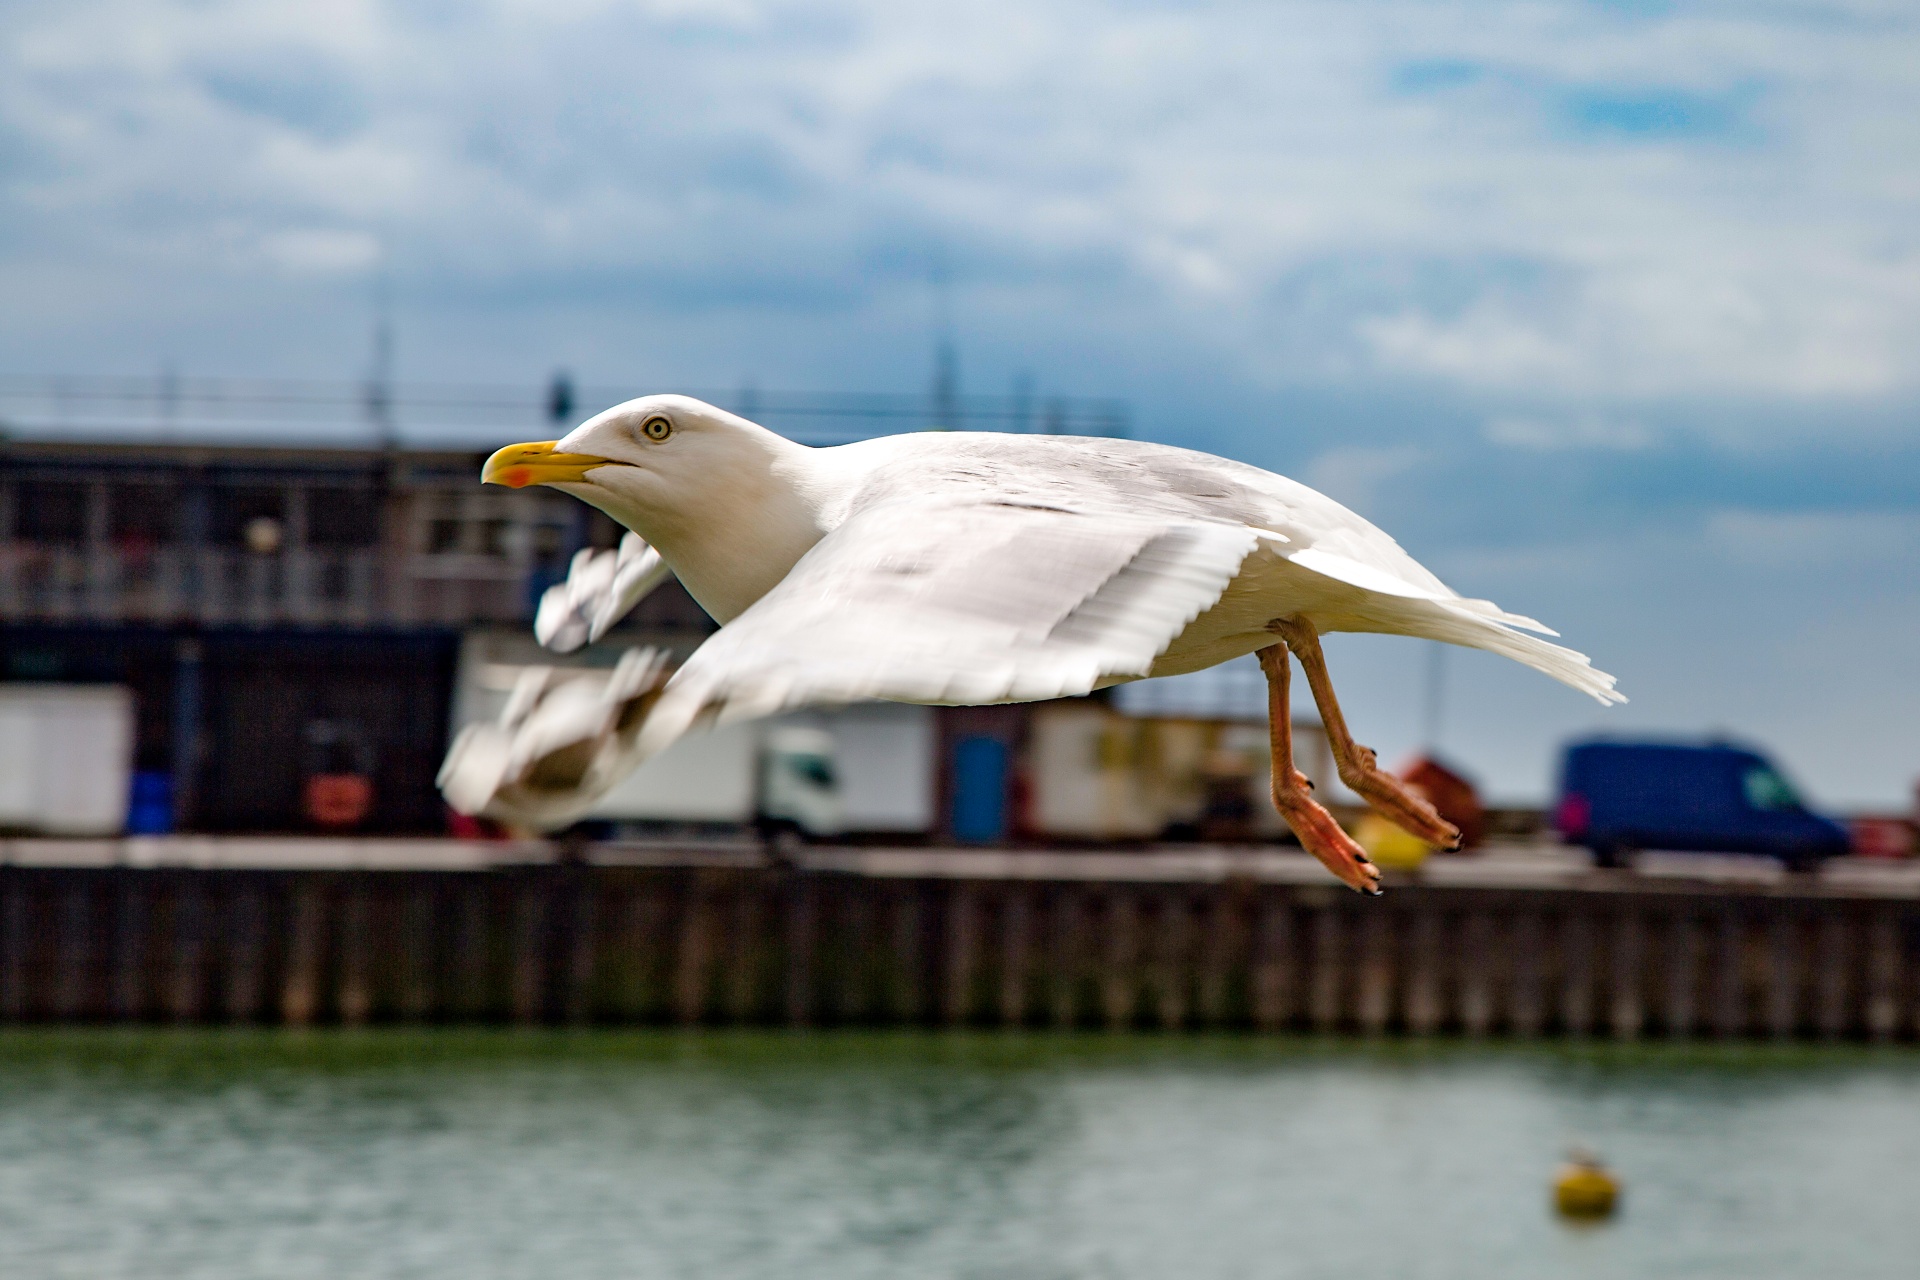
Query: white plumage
x,y
935,567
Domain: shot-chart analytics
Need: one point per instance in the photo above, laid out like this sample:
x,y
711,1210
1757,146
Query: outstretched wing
x,y
959,602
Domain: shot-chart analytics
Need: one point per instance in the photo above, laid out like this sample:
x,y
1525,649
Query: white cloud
x,y
1824,542
1241,172
1488,346
321,249
1354,475
1583,431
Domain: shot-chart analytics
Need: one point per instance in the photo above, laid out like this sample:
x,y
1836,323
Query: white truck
x,y
867,768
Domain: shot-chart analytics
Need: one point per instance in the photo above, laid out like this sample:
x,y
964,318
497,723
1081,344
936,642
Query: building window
x,y
140,515
443,535
51,511
339,517
239,506
495,536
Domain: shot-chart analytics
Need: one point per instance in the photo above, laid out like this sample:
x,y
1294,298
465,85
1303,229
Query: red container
x,y
338,801
1881,837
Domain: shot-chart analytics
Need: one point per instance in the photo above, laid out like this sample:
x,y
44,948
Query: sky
x,y
1607,311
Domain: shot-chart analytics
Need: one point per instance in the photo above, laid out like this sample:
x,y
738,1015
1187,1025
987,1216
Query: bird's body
x,y
967,567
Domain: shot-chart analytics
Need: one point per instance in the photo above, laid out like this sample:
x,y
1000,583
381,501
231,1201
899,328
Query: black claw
x,y
1374,891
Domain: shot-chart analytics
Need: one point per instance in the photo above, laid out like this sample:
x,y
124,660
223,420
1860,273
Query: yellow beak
x,y
519,465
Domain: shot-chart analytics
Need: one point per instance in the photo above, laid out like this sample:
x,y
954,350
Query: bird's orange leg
x,y
1389,797
1319,834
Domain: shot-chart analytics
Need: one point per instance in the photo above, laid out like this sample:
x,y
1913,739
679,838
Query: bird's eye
x,y
656,429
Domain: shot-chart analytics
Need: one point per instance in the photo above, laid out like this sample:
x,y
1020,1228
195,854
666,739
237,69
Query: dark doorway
x,y
270,698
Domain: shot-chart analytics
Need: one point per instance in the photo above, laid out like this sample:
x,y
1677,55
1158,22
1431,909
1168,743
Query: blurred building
x,y
279,614
300,629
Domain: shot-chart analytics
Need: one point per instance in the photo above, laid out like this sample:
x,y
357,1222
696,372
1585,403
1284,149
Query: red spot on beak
x,y
517,477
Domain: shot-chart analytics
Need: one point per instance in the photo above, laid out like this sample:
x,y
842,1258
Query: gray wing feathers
x,y
969,603
601,587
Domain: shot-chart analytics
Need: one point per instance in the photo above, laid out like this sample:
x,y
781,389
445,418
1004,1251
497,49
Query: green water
x,y
211,1154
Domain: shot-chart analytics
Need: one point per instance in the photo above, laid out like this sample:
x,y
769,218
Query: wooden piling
x,y
1526,1001
1476,965
1067,955
1223,946
1883,1003
530,949
1729,974
1783,975
1118,978
472,980
582,934
1576,972
74,985
637,929
353,1000
1426,960
1832,961
1376,976
799,952
584,944
243,970
1327,1006
694,956
1680,1013
186,935
745,951
1172,941
1626,1010
306,942
419,998
853,989
907,988
1016,944
1274,970
14,919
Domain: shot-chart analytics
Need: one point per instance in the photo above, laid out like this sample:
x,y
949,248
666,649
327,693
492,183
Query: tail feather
x,y
1447,621
1488,609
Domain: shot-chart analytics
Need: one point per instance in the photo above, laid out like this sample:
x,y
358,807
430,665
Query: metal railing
x,y
165,408
222,586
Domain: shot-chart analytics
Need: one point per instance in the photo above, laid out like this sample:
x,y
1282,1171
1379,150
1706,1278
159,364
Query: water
x,y
218,1154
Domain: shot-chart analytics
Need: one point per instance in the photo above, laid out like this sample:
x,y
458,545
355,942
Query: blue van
x,y
1616,797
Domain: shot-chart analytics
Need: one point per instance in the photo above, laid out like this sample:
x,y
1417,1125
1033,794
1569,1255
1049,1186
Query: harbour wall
x,y
927,937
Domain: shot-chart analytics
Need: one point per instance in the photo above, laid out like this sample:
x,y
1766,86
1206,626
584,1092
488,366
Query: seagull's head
x,y
652,463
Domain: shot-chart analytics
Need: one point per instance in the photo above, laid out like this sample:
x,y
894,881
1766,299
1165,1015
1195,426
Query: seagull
x,y
951,568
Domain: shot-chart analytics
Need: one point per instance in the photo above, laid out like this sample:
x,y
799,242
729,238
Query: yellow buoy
x,y
1388,845
1583,1189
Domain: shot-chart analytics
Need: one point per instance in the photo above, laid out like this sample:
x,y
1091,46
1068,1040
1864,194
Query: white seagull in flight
x,y
957,568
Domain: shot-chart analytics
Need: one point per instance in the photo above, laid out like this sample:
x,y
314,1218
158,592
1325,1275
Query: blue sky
x,y
1610,312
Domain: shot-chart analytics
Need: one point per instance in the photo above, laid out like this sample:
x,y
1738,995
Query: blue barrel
x,y
980,790
150,805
